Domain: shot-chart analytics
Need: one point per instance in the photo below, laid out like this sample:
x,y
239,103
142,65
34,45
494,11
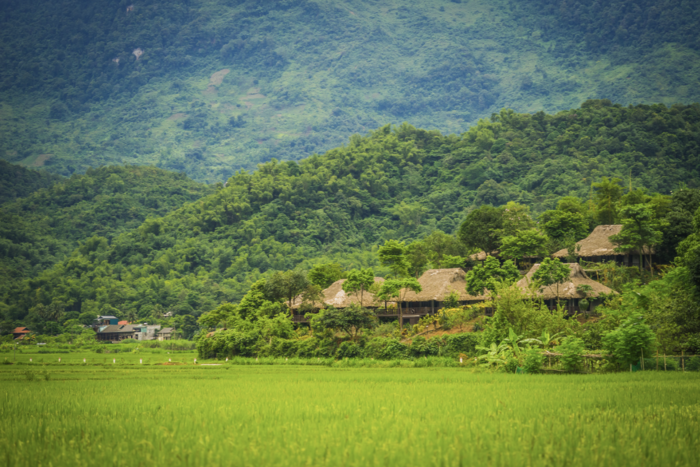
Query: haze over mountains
x,y
207,87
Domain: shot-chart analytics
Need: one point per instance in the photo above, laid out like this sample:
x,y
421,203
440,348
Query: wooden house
x,y
598,248
116,333
19,333
437,285
336,297
569,292
165,334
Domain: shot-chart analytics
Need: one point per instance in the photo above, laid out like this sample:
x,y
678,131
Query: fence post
x,y
683,359
664,362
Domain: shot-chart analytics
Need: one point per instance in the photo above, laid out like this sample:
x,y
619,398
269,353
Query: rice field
x,y
316,415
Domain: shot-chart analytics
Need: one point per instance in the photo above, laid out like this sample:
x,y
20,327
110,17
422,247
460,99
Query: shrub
x,y
348,349
461,343
534,359
571,349
511,365
693,364
627,343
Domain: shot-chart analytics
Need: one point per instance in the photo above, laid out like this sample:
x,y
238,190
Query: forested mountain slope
x,y
17,181
400,183
208,86
46,226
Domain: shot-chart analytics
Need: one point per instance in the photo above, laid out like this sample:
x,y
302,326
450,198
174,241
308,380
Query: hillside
x,y
208,87
43,228
17,181
394,183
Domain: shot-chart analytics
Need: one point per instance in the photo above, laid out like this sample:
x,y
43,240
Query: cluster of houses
x,y
110,329
440,285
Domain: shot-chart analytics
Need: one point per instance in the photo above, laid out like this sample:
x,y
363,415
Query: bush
x,y
461,343
348,349
511,365
627,343
534,359
693,364
571,349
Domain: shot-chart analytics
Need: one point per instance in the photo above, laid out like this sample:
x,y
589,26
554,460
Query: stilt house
x,y
569,292
598,248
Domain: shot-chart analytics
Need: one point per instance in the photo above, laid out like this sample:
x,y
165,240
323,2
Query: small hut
x,y
336,297
569,290
437,285
598,248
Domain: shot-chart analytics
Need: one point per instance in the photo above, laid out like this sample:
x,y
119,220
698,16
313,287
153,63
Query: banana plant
x,y
495,354
547,340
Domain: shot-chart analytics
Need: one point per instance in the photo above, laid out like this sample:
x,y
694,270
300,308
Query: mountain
x,y
17,181
208,87
45,227
394,183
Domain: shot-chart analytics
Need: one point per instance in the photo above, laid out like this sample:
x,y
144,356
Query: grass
x,y
301,415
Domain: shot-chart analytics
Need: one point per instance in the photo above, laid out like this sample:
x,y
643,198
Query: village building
x,y
437,285
598,248
115,332
106,319
336,297
570,292
19,333
165,334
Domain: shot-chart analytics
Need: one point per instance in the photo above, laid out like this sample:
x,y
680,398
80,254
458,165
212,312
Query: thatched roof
x,y
597,243
335,296
437,284
481,256
567,290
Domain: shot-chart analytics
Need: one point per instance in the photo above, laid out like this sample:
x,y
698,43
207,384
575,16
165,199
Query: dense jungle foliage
x,y
208,87
46,226
398,183
18,182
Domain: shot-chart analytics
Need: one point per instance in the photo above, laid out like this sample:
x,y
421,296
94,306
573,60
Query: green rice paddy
x,y
133,414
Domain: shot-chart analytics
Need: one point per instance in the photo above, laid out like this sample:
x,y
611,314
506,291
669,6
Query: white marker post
x,y
227,359
84,360
195,361
169,360
59,359
141,361
460,360
30,360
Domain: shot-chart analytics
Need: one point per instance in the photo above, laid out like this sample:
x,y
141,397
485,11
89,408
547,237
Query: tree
x,y
221,315
571,349
393,255
515,218
351,320
286,285
324,275
417,257
628,342
689,252
525,243
439,244
486,276
607,193
87,318
359,279
398,288
562,225
480,228
640,231
551,272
